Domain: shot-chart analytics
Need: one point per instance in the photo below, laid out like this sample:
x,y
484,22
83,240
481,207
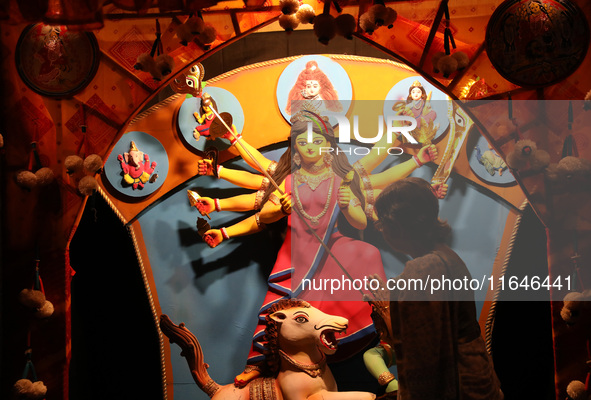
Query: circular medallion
x,y
536,43
429,108
190,110
137,166
56,62
485,162
314,83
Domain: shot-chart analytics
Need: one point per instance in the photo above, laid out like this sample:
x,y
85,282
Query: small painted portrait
x,y
313,83
428,106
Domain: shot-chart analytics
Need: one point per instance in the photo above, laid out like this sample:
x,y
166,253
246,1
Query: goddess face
x,y
416,93
312,88
310,151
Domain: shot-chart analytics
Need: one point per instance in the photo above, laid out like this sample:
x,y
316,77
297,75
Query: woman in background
x,y
439,350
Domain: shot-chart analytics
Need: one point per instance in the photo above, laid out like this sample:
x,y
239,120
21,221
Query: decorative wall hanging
x,y
428,107
447,62
318,83
156,62
36,175
137,166
55,62
194,120
376,16
537,43
485,162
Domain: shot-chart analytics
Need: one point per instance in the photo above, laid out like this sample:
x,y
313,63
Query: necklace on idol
x,y
314,370
313,181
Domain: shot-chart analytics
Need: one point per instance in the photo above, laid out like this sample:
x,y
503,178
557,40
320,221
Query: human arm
x,y
214,237
276,208
242,202
376,361
378,153
199,118
237,177
251,155
351,208
271,212
404,169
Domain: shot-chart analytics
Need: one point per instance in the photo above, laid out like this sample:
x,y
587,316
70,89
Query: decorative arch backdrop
x,y
217,292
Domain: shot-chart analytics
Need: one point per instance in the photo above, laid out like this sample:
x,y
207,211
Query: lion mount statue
x,y
299,336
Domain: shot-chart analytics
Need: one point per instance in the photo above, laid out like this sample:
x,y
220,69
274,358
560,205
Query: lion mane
x,y
272,332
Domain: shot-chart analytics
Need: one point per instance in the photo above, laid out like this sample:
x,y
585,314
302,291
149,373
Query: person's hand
x,y
205,205
205,167
379,300
213,237
439,190
285,201
196,134
380,296
427,153
344,196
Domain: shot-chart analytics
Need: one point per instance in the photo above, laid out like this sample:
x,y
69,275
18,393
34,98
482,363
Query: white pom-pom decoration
x,y
26,180
93,163
208,35
45,311
288,22
377,14
145,62
346,25
325,28
289,7
576,390
164,64
447,65
435,60
31,298
39,390
195,25
73,164
306,14
391,16
87,185
462,59
366,24
44,176
184,33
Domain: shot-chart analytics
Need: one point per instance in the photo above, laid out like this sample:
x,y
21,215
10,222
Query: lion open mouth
x,y
328,339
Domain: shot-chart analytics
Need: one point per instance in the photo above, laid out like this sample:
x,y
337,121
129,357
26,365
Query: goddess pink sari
x,y
303,257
